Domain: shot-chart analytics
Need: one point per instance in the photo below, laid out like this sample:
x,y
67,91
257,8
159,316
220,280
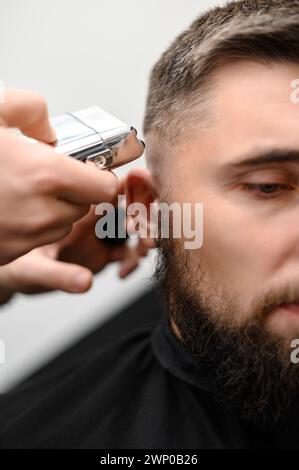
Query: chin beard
x,y
249,370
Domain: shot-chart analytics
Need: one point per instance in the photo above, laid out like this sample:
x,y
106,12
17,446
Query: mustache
x,y
270,298
288,294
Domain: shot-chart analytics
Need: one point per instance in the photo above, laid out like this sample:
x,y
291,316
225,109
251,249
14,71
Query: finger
x,y
28,111
57,214
69,213
127,267
84,184
142,247
62,175
128,257
120,191
49,236
48,215
66,277
47,274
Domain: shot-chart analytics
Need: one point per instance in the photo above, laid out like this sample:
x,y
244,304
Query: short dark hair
x,y
260,30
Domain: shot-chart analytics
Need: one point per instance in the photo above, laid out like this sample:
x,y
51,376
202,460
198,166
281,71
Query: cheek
x,y
239,251
245,250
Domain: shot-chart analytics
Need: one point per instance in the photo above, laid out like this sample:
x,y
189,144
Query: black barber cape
x,y
138,392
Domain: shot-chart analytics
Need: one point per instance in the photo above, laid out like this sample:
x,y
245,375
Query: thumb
x,y
28,111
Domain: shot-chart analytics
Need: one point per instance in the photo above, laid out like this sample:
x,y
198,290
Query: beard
x,y
248,368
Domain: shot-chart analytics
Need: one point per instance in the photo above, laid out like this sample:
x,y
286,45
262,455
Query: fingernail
x,y
133,129
81,281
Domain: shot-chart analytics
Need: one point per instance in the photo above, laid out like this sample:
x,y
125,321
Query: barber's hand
x,y
42,193
69,264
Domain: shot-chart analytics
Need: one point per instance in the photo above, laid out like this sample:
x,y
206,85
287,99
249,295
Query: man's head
x,y
221,129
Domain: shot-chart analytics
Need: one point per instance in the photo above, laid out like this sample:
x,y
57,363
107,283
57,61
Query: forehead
x,y
251,110
253,107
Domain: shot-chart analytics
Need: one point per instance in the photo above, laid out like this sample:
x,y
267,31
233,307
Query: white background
x,y
77,54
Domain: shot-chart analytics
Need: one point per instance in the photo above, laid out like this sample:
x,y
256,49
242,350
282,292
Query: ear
x,y
140,187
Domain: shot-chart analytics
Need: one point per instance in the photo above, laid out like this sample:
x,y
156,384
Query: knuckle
x,y
111,185
44,181
39,224
49,229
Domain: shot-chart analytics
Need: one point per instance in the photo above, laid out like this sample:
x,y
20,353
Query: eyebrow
x,y
266,158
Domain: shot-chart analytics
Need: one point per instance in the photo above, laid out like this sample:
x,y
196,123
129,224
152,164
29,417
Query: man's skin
x,y
251,238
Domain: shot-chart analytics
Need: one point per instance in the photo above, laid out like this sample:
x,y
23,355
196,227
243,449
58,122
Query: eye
x,y
267,190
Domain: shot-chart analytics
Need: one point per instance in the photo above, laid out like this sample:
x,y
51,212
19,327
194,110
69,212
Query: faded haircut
x,y
261,30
